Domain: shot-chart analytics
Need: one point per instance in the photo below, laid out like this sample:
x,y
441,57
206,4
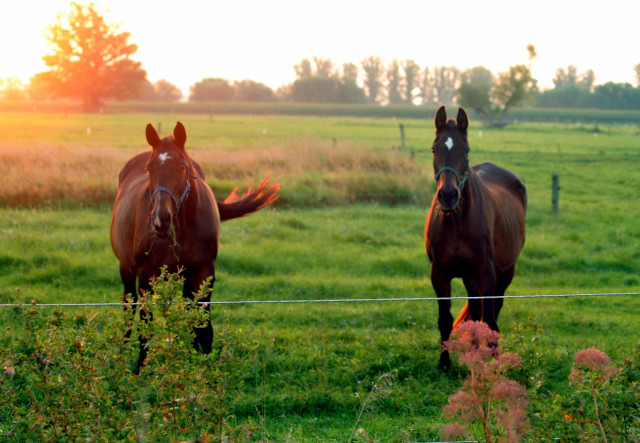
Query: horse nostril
x,y
165,219
448,197
162,221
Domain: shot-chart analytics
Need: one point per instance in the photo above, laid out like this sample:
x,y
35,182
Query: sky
x,y
184,42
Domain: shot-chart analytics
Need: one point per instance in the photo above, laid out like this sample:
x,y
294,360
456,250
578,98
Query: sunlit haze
x,y
184,42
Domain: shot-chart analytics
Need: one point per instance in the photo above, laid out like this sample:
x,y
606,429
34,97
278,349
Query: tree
x,y
303,69
411,80
571,95
514,87
446,81
350,72
475,91
373,71
166,91
427,91
12,89
211,89
616,96
570,76
532,54
324,66
492,98
250,91
324,85
393,83
91,60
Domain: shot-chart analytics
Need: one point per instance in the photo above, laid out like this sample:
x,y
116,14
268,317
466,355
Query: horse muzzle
x,y
449,198
161,224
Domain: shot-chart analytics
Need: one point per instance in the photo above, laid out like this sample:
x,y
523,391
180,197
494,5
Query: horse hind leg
x,y
503,282
203,340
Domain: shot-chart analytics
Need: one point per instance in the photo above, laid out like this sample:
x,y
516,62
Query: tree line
x,y
92,61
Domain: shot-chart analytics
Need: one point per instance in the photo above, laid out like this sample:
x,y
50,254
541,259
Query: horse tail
x,y
464,316
236,205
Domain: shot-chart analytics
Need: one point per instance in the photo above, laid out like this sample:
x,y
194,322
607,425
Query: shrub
x,y
486,397
71,379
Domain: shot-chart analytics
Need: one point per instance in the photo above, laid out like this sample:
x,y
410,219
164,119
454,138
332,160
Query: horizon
x,y
250,34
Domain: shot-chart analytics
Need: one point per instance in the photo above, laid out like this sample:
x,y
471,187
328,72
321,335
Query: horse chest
x,y
454,248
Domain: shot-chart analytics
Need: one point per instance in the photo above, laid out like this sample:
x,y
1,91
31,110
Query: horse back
x,y
508,197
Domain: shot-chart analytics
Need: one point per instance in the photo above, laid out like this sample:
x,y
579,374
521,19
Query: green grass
x,y
311,359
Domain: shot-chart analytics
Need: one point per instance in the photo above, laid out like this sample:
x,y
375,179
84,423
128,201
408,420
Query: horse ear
x,y
180,134
152,136
463,120
441,118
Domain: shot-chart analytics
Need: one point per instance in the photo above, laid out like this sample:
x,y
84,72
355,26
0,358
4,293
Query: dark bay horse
x,y
474,230
165,214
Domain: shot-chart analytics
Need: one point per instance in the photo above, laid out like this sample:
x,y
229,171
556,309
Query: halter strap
x,y
177,201
462,182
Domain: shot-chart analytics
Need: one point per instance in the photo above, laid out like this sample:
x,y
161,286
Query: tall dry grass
x,y
311,171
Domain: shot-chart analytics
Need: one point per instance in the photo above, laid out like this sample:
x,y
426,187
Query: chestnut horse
x,y
165,214
474,230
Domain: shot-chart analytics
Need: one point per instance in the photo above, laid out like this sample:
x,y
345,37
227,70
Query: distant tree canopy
x,y
211,89
373,73
162,90
493,97
577,90
90,60
250,91
221,90
325,84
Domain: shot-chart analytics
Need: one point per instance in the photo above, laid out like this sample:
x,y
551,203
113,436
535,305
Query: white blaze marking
x,y
165,156
449,143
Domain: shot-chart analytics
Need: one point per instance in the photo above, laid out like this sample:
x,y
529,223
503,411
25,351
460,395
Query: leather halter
x,y
178,201
462,182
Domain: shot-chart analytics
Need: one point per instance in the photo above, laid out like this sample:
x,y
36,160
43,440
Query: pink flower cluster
x,y
486,395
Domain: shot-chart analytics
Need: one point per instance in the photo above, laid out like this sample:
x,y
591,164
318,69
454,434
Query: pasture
x,y
349,225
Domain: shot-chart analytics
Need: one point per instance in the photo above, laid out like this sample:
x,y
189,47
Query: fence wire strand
x,y
310,301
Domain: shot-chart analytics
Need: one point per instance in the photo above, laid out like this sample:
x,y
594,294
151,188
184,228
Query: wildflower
x,y
595,360
486,396
452,432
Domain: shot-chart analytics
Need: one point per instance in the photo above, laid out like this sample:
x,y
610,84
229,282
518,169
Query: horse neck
x,y
469,193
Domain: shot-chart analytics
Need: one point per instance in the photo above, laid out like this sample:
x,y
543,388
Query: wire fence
x,y
336,300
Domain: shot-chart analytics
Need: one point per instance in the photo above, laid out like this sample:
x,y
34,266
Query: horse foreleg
x,y
145,317
442,287
129,299
504,280
203,340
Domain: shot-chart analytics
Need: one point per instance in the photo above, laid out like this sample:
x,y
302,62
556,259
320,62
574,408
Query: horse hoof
x,y
445,362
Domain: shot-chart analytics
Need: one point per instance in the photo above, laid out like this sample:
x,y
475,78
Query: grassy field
x,y
349,225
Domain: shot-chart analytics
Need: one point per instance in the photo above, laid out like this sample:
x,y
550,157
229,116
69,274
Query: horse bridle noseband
x,y
177,201
462,182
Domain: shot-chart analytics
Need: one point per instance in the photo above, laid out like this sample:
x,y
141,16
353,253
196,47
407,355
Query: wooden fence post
x,y
555,190
402,136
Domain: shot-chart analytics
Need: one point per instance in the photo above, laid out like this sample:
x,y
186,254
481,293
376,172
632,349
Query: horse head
x,y
450,158
169,170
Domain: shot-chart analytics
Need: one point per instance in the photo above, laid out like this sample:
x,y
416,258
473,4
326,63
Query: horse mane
x,y
450,125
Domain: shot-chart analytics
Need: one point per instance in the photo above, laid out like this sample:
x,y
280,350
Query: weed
x,y
487,396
